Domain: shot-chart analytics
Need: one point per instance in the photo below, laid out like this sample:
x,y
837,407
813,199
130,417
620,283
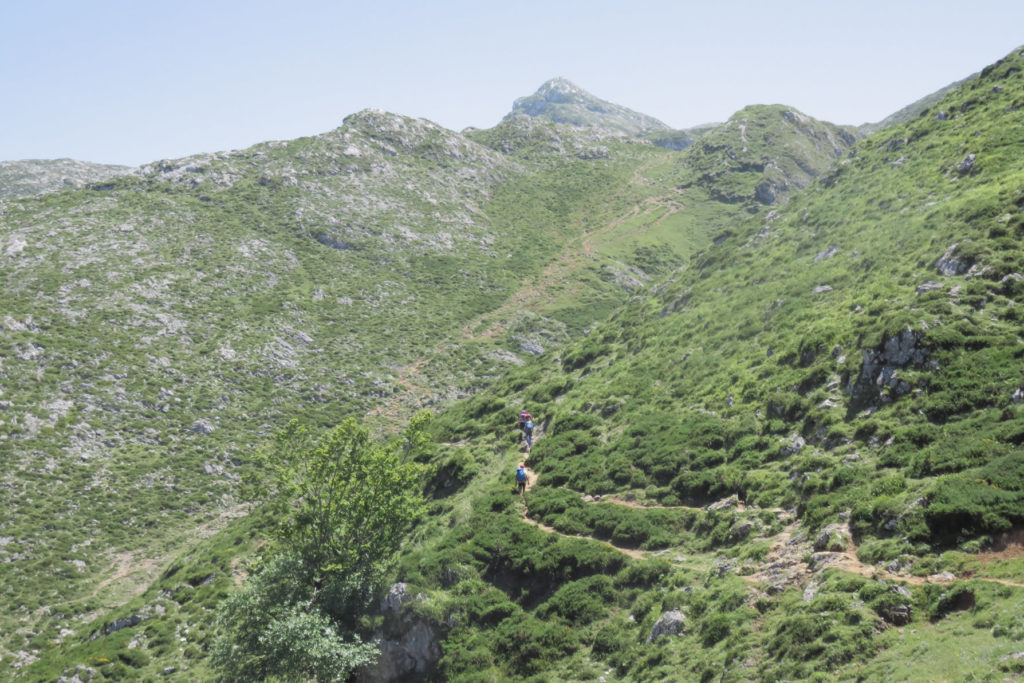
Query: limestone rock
x,y
407,658
668,624
898,615
949,264
203,427
398,595
831,539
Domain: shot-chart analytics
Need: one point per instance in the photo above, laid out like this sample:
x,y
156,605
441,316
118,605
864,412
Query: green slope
x,y
845,368
391,264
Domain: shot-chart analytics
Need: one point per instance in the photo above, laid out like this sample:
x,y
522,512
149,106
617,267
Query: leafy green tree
x,y
342,504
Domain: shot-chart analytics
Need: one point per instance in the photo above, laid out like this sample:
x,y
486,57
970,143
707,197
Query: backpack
x,y
529,425
520,474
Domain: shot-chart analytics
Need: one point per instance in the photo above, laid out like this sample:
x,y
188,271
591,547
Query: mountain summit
x,y
562,101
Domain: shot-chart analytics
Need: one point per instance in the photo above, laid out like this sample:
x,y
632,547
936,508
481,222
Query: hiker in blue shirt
x,y
521,479
528,432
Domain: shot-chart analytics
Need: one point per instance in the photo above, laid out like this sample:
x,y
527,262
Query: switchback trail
x,y
786,562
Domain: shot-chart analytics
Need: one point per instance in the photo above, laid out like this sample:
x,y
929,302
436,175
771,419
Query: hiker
x,y
524,417
521,479
528,433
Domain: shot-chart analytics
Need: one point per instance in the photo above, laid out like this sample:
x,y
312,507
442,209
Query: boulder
x,y
668,624
741,530
967,164
202,427
898,615
724,504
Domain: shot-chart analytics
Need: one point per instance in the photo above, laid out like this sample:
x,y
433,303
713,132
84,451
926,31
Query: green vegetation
x,y
776,379
343,506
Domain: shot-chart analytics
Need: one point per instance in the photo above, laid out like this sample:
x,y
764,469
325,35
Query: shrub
x,y
574,421
962,505
632,532
531,646
643,573
581,601
714,628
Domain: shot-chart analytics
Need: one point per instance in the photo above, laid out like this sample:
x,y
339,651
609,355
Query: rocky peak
x,y
562,101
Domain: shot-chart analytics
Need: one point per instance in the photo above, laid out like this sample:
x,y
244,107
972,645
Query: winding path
x,y
785,563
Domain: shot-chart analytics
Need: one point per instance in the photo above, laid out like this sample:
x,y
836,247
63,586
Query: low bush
x,y
581,601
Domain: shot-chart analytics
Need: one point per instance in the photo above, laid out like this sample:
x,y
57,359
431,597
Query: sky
x,y
130,82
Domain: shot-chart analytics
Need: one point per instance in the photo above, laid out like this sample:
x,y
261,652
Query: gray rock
x,y
880,365
81,674
765,192
668,624
826,254
898,615
119,624
831,539
967,164
795,445
202,427
398,595
723,566
949,265
741,530
928,287
724,504
901,591
822,289
408,658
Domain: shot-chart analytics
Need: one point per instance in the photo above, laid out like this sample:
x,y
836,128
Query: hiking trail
x,y
787,562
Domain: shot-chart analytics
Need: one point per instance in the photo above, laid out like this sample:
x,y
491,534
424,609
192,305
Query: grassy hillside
x,y
779,434
157,327
810,436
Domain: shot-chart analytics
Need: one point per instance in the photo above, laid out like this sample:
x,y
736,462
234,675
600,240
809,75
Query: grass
x,y
675,340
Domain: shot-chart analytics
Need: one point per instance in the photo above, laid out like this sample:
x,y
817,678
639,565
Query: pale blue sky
x,y
131,82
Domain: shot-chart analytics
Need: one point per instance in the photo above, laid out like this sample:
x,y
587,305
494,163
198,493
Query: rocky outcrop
x,y
880,367
410,645
952,263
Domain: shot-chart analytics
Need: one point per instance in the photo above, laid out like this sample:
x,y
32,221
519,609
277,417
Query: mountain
x,y
912,110
36,176
774,430
562,101
764,153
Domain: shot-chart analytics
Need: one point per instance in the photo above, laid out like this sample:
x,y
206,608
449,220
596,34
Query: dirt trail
x,y
532,294
531,481
786,562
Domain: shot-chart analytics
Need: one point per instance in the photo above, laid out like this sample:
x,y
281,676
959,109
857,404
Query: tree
x,y
343,504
